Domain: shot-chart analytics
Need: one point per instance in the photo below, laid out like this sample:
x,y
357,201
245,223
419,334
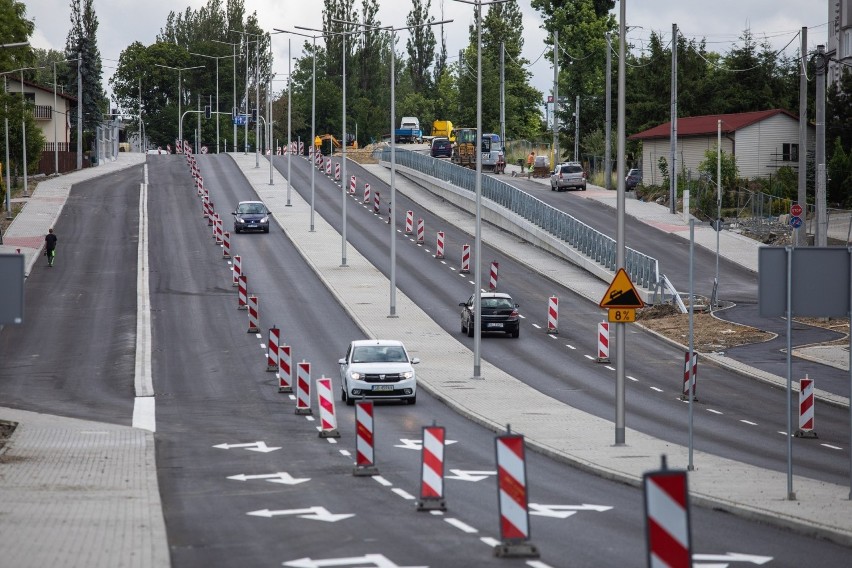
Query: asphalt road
x,y
212,389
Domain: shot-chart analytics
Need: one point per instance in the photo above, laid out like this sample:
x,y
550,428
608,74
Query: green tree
x,y
82,41
730,171
838,112
839,175
15,28
420,45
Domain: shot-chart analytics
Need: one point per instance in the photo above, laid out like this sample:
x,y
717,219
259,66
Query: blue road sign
x,y
795,222
240,120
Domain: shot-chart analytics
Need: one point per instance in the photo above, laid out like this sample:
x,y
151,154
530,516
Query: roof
x,y
30,84
379,342
706,125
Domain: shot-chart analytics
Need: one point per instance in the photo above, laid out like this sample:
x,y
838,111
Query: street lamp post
x,y
180,93
216,113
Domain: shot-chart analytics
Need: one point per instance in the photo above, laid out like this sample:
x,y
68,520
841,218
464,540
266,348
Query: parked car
x,y
377,369
442,148
251,216
568,175
634,178
499,313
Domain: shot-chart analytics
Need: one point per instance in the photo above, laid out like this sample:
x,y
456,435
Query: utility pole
x,y
673,134
503,93
802,235
555,99
577,130
821,239
608,125
79,111
620,249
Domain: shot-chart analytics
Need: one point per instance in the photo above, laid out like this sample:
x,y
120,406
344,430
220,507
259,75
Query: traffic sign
x,y
621,293
796,210
621,315
795,222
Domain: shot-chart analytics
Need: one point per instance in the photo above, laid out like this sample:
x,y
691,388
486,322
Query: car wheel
x,y
552,188
347,399
236,230
584,187
412,400
469,330
516,332
266,230
463,328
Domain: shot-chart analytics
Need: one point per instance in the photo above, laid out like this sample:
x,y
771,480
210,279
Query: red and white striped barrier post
x,y
390,211
226,245
553,315
366,193
492,280
421,231
409,222
210,213
465,265
273,338
328,167
513,501
199,186
376,201
235,270
687,380
603,342
365,456
253,314
219,230
667,525
439,245
806,409
337,172
303,388
242,293
204,200
301,147
432,470
352,185
325,400
285,368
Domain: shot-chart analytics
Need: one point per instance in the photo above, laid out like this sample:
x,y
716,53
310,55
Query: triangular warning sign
x,y
621,293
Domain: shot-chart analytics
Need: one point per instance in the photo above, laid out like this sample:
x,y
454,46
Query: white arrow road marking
x,y
313,513
732,557
375,561
253,447
280,477
563,511
467,475
409,444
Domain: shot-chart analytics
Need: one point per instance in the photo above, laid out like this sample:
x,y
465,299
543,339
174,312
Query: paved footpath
x,y
75,492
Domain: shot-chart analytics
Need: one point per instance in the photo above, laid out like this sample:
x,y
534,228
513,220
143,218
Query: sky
x,y
721,22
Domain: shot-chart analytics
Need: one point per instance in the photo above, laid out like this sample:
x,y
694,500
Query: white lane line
x,y
444,262
782,432
589,357
462,526
610,367
292,396
259,336
829,446
437,513
309,418
749,422
537,564
144,406
551,336
634,379
262,346
346,453
714,411
490,541
655,389
535,325
403,493
382,481
569,346
332,440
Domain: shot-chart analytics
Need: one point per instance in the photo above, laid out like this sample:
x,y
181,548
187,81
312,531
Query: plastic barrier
x,y
365,457
553,315
303,388
432,470
325,400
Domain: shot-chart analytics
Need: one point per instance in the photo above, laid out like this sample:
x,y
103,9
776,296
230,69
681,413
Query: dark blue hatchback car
x,y
251,216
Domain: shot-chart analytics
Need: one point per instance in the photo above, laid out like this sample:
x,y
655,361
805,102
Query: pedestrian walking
x,y
531,160
50,246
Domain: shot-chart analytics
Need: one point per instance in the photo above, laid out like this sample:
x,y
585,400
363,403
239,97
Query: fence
x,y
643,269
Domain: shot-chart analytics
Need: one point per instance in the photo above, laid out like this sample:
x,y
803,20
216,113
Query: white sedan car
x,y
378,369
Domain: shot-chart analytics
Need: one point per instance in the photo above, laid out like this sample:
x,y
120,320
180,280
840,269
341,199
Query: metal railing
x,y
642,269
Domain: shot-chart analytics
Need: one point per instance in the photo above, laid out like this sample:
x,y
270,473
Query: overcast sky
x,y
721,22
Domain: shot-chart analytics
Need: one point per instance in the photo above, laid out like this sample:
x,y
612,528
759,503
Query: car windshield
x,y
379,354
250,208
497,303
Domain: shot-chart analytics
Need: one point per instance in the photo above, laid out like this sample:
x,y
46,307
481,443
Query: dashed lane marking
x,y
462,526
830,447
656,389
589,357
610,367
382,481
569,346
403,493
714,411
749,422
634,379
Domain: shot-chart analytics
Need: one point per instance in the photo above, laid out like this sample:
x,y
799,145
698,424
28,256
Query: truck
x,y
443,128
490,146
409,130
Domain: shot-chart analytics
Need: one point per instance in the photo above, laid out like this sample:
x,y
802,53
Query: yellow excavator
x,y
320,141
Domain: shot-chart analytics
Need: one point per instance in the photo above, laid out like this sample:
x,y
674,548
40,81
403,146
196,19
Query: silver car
x,y
377,369
568,175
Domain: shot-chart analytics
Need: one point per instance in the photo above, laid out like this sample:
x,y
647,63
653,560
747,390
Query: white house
x,y
761,141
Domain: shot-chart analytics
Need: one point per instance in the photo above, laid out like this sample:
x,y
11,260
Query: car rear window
x,y
571,169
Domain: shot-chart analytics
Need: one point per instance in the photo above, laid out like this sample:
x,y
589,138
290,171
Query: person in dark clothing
x,y
50,246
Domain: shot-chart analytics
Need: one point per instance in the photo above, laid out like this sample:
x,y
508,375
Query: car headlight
x,y
408,374
355,376
264,220
238,219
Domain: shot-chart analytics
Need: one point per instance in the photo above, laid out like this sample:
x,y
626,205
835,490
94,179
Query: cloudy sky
x,y
720,22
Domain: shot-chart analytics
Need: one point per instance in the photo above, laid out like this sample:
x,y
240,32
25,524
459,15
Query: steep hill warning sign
x,y
621,294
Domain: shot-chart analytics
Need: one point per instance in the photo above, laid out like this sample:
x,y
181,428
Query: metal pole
x,y
608,127
245,97
79,111
53,116
8,175
477,253
715,301
234,107
802,195
620,245
392,309
257,104
289,115
313,128
216,114
850,375
691,376
577,130
822,220
24,139
269,136
673,130
791,496
344,180
503,93
555,99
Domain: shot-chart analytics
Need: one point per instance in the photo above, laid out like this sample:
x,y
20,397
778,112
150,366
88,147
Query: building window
x,y
846,50
790,153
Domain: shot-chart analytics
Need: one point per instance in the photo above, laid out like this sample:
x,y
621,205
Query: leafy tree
x,y
82,41
730,171
420,45
838,112
839,175
15,28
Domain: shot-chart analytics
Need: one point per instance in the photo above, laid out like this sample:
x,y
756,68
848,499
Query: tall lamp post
x,y
180,92
256,93
216,112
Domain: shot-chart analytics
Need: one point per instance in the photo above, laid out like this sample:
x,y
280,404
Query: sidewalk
x,y
75,492
822,509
